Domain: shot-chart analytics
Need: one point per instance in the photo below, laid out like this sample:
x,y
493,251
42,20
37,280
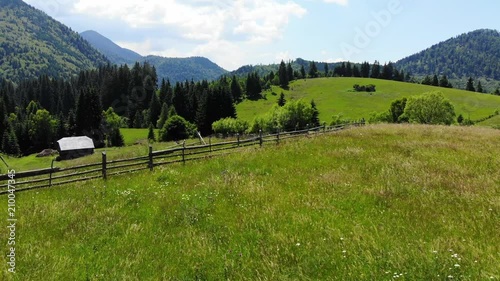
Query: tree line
x,y
37,112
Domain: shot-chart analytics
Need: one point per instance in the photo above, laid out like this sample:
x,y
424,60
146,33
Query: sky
x,y
233,33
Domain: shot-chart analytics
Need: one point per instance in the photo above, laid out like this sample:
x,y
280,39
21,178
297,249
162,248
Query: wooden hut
x,y
74,147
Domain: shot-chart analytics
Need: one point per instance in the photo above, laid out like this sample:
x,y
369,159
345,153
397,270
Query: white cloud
x,y
338,2
228,32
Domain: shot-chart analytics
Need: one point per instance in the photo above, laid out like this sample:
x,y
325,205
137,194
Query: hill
x,y
373,203
265,69
32,44
475,54
334,96
116,54
182,69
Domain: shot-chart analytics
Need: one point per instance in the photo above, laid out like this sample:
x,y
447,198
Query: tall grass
x,y
375,203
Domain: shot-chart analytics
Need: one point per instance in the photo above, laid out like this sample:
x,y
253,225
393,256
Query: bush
x,y
230,126
364,88
294,115
177,128
430,108
339,120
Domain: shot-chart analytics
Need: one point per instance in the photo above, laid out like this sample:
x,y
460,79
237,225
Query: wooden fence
x,y
55,176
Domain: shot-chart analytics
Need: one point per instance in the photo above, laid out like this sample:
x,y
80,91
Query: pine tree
x,y
327,71
281,100
435,81
313,70
283,75
10,144
151,133
470,85
289,72
479,87
315,115
163,116
154,109
443,82
302,72
236,91
375,70
365,70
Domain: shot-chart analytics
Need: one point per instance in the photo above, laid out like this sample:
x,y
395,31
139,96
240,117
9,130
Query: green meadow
x,y
381,202
335,96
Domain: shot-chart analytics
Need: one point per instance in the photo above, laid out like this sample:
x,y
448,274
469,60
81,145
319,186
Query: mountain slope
x,y
32,43
475,54
115,53
174,69
181,69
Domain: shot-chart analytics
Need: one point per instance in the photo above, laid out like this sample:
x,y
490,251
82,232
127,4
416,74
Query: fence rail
x,y
55,176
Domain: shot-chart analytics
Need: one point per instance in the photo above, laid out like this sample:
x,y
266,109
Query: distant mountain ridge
x,y
112,51
475,54
32,44
173,69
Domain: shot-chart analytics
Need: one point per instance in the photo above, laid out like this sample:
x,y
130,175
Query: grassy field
x,y
381,202
333,96
136,144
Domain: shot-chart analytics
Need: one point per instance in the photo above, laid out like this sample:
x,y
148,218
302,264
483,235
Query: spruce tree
x,y
479,87
236,91
289,72
151,133
315,115
470,85
283,75
154,109
281,100
163,116
435,81
302,72
313,70
327,70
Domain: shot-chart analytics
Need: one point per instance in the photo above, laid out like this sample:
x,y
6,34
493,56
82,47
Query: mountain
x,y
32,44
174,69
182,69
115,53
475,54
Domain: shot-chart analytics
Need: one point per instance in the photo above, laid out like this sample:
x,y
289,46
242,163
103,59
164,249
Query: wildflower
x,y
457,265
298,244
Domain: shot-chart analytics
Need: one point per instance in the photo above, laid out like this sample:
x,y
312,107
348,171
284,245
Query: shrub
x,y
230,126
293,115
430,108
177,128
364,88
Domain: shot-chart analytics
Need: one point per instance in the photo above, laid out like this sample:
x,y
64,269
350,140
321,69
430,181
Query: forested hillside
x,y
475,54
181,69
32,44
116,54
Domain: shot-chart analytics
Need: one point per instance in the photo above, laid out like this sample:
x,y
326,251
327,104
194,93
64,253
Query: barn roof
x,y
75,143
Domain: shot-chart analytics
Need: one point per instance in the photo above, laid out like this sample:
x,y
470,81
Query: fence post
x,y
150,164
51,170
210,143
260,138
238,136
278,137
183,154
104,163
324,127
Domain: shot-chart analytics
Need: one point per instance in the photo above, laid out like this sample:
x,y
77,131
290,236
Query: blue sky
x,y
233,33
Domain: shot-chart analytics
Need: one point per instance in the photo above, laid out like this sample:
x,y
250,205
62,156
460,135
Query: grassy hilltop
x,y
375,203
334,96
